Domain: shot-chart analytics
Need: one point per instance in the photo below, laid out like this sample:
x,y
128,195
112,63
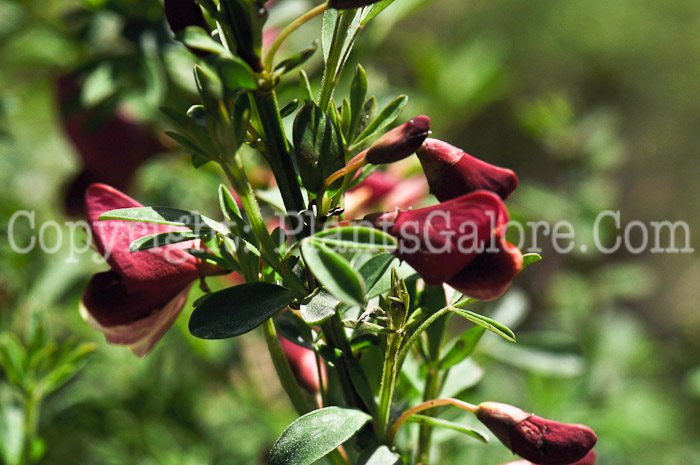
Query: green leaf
x,y
486,322
13,357
305,87
334,272
355,238
368,113
387,116
318,307
382,455
430,421
165,215
211,258
312,436
198,161
289,108
529,259
294,61
373,269
197,38
237,310
188,144
209,87
228,205
345,118
292,327
162,239
375,9
462,348
358,92
236,74
318,145
327,29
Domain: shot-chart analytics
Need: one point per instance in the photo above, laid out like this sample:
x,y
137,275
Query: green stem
x,y
279,154
352,378
284,371
31,423
238,180
386,390
432,387
416,334
291,27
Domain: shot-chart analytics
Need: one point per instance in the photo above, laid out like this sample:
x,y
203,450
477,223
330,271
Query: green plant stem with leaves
x,y
388,383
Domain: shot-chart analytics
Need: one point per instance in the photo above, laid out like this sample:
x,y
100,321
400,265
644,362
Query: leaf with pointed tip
x,y
314,435
305,87
358,92
294,61
334,272
355,238
237,310
329,19
165,215
387,116
373,269
462,348
289,108
162,239
486,322
197,38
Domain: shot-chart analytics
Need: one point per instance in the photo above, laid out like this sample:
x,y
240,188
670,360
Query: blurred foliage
x,y
593,103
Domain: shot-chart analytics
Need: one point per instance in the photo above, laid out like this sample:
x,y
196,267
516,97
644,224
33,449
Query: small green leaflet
x,y
486,322
314,435
334,272
529,259
165,215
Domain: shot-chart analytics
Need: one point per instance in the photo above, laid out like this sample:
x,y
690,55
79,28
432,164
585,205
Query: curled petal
x,y
140,334
490,274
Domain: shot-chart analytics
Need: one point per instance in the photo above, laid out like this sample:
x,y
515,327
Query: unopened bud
x,y
400,142
451,172
183,13
537,439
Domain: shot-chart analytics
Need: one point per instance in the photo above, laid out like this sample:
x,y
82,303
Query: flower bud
x,y
183,13
400,142
451,172
349,4
541,441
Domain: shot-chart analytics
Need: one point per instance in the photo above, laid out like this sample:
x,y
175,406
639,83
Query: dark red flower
x,y
303,364
451,172
458,242
136,301
183,13
537,439
111,147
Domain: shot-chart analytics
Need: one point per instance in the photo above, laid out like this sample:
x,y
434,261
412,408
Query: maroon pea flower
x,y
303,364
458,242
110,147
589,459
451,172
537,439
140,297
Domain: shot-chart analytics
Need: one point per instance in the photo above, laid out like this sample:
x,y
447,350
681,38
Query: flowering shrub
x,y
364,298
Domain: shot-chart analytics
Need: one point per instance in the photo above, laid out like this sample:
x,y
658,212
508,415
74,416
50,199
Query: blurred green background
x,y
595,104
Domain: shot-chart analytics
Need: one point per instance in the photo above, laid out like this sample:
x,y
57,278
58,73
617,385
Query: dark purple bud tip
x,y
400,142
349,4
183,13
537,439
